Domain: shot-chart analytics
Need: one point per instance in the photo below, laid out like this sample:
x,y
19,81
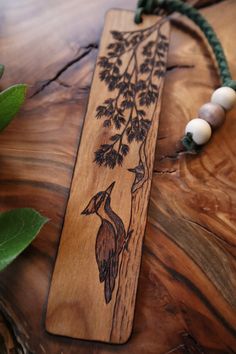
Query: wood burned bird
x,y
111,239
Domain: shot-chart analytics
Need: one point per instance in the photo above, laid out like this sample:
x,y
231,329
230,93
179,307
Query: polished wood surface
x,y
93,290
186,295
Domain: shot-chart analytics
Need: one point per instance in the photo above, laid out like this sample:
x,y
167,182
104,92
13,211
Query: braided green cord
x,y
149,6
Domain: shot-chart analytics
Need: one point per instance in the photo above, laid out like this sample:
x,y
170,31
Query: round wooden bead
x,y
225,97
200,130
213,113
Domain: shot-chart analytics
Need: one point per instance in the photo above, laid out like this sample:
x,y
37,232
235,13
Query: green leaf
x,y
11,100
18,227
1,70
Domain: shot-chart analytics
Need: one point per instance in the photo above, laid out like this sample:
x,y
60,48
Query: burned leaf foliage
x,y
134,88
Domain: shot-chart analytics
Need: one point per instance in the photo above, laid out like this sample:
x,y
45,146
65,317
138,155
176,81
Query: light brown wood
x,y
186,293
107,209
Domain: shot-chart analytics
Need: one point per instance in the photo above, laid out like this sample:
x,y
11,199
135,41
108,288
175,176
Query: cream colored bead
x,y
225,97
200,130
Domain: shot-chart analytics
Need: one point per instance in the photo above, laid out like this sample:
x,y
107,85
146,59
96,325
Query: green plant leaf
x,y
1,70
11,100
18,227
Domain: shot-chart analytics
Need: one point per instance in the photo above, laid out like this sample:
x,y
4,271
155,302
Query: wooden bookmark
x,y
94,284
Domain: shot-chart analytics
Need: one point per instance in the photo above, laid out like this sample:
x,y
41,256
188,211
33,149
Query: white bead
x,y
225,97
200,130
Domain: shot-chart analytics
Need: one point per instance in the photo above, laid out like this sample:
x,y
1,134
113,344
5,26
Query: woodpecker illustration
x,y
111,239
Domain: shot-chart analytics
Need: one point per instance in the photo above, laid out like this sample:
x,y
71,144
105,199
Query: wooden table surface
x,y
186,302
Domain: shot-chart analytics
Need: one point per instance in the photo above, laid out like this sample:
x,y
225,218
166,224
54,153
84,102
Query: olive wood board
x,y
94,284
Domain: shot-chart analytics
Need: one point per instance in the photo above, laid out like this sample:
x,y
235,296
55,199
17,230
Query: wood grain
x,y
110,229
186,293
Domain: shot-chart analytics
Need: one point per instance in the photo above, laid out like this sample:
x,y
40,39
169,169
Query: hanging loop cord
x,y
150,6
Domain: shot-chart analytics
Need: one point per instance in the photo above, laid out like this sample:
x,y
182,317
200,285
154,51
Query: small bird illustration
x,y
110,241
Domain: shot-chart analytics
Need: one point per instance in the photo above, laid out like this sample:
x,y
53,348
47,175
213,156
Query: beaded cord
x,y
151,6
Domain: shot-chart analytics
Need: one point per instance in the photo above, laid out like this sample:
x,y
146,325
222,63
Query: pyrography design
x,y
133,88
110,241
